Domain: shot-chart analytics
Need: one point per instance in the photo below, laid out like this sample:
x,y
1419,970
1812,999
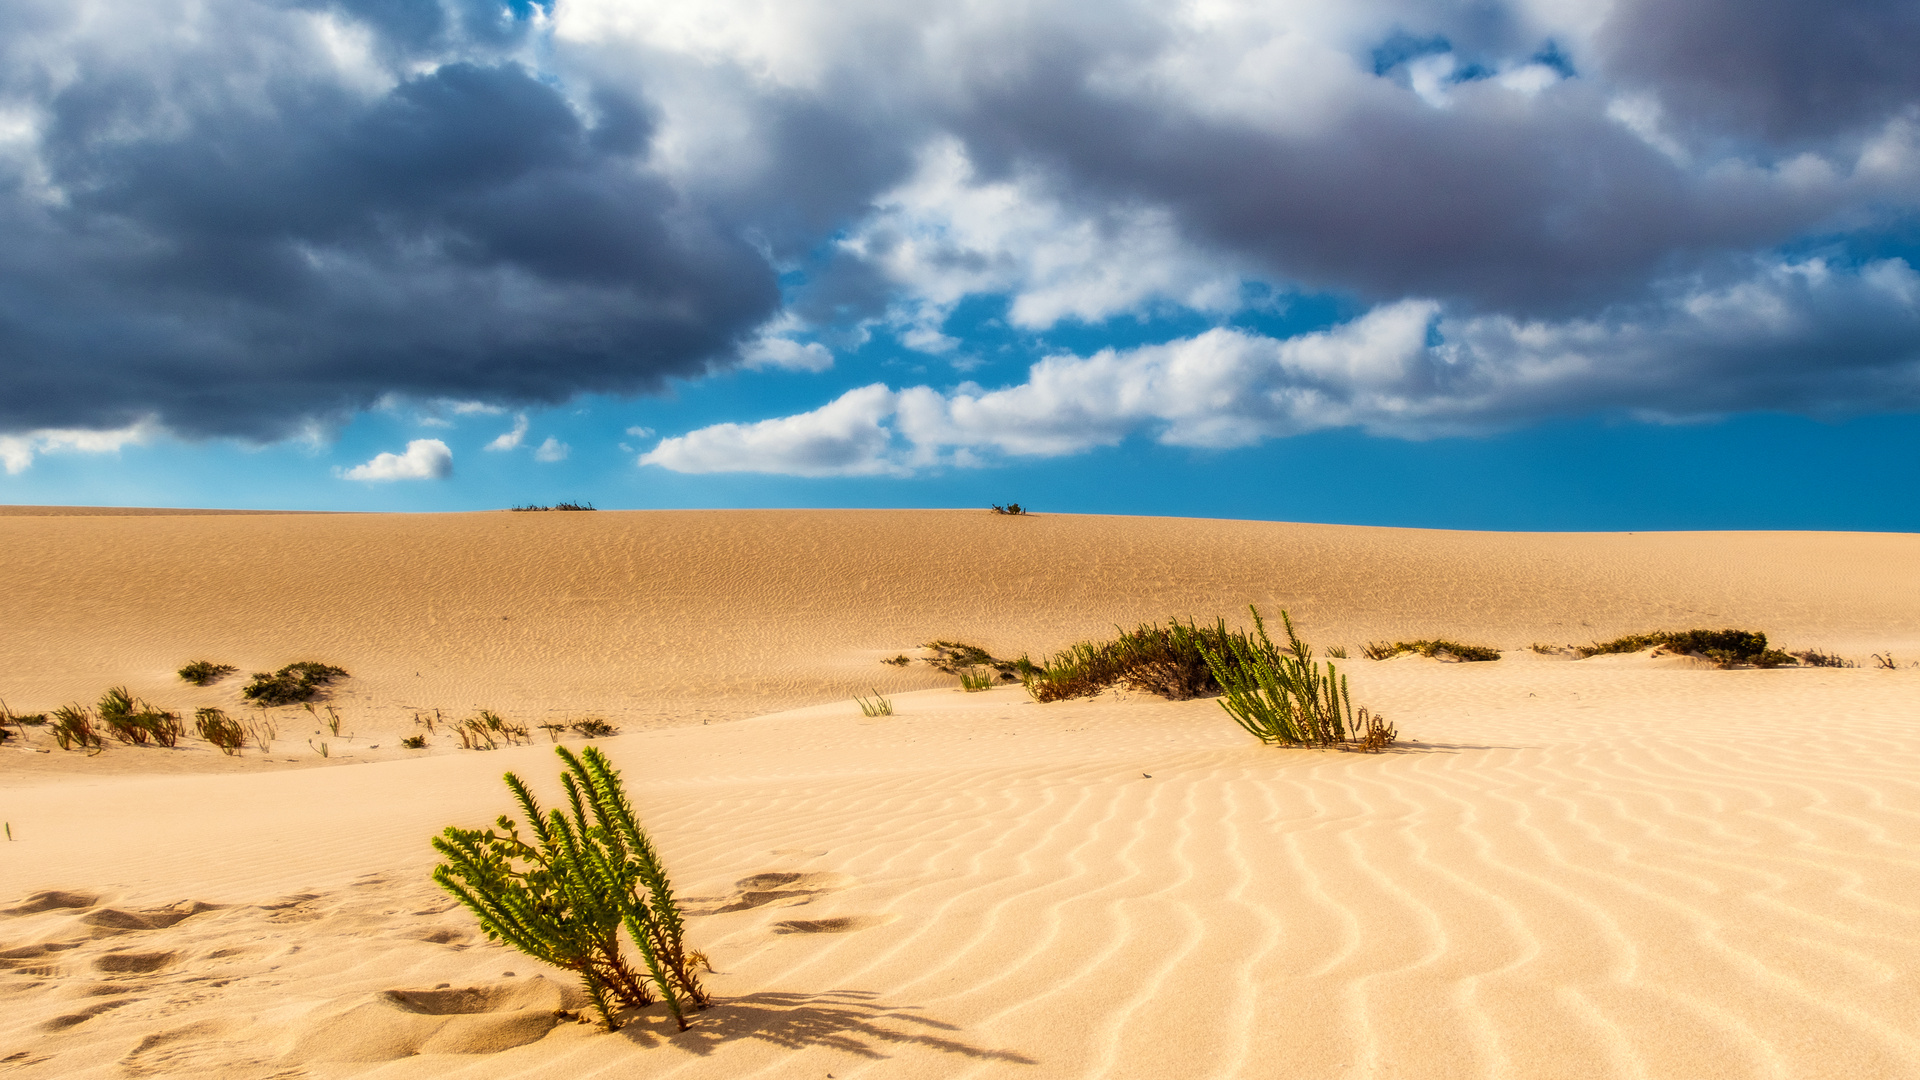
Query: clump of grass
x,y
1169,661
1816,658
564,897
976,680
1544,649
73,729
292,684
875,706
414,742
901,660
486,730
1436,649
954,657
594,728
22,721
1011,509
1885,663
206,672
555,506
1337,652
137,723
224,732
1726,648
1286,698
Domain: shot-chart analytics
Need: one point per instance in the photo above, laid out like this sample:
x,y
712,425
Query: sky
x,y
1540,265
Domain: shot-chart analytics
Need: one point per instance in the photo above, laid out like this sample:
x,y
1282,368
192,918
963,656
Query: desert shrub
x,y
205,672
1544,649
901,660
1816,658
1166,660
414,742
1436,648
564,897
1726,648
137,723
593,728
1885,662
874,706
1014,509
1284,697
556,506
221,730
292,684
73,729
486,730
976,679
21,720
1337,652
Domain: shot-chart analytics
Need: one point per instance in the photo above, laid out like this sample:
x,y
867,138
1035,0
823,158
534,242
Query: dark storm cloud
x,y
241,265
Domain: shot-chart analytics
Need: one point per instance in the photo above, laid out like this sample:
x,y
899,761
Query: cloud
x,y
424,459
552,450
18,451
1407,369
510,439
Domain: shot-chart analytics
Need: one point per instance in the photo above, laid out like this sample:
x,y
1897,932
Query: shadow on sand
x,y
849,1021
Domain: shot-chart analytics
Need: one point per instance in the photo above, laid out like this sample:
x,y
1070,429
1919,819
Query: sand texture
x,y
1615,867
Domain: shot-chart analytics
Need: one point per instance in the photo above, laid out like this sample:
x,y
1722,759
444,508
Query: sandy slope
x,y
1615,867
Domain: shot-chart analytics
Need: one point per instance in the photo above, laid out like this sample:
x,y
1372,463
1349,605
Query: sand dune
x,y
1613,867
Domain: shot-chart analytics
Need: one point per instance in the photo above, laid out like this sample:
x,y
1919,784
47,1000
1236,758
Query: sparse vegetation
x,y
23,721
1166,660
564,897
1284,697
1816,658
414,742
1726,648
224,732
594,728
1337,652
976,679
73,729
555,506
875,706
1547,650
137,723
1436,649
901,660
1885,663
954,657
1011,509
486,729
206,672
292,684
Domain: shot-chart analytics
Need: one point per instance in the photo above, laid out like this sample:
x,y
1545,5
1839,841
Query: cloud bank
x,y
255,218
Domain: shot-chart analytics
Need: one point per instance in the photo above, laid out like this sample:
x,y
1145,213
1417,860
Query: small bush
x,y
292,684
1337,652
564,897
1546,650
1169,661
594,728
205,672
1011,509
876,706
976,680
486,729
901,660
1435,649
1726,648
414,742
73,729
21,720
555,506
1284,697
137,723
1816,658
222,731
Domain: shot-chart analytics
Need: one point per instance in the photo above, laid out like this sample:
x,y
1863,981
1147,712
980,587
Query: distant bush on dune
x,y
291,684
1726,648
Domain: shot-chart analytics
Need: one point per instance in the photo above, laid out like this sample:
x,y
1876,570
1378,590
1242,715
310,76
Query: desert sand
x,y
1623,866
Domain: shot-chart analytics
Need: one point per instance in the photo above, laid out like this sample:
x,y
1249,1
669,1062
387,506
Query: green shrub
x,y
1014,509
594,728
954,657
876,706
901,660
1283,697
205,672
1726,648
976,680
1169,661
291,684
1436,649
556,506
414,742
1816,658
565,897
136,722
73,728
222,731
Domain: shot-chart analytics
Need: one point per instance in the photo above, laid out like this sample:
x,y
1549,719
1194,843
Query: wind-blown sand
x,y
1612,867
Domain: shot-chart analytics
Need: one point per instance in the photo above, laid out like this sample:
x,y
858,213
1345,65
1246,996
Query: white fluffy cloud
x,y
18,451
551,451
512,437
424,459
1406,369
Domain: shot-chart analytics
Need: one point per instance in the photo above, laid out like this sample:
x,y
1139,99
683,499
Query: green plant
x,y
901,660
323,749
1546,650
73,729
1166,660
222,731
594,728
1816,658
205,672
564,898
1014,509
1726,648
292,684
414,742
1284,697
136,722
954,657
553,730
555,506
976,680
1337,652
877,706
263,731
1435,648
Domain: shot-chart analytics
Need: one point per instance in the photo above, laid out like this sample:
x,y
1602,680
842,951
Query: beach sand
x,y
1622,866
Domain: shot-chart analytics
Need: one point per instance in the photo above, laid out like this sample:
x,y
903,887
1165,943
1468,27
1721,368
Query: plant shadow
x,y
850,1021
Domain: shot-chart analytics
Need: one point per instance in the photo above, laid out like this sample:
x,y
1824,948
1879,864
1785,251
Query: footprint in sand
x,y
394,1024
846,924
762,890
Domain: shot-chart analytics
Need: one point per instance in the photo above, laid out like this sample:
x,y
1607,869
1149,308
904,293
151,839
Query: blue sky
x,y
1518,265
